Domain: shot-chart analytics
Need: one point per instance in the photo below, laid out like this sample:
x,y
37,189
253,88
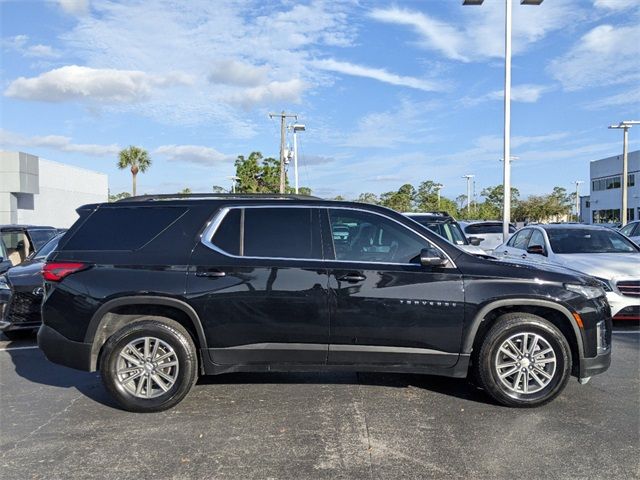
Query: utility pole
x,y
283,132
233,179
469,178
578,182
624,182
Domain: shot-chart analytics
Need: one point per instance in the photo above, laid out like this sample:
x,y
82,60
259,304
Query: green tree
x,y
119,196
257,174
219,189
495,196
368,197
136,159
402,200
185,191
304,191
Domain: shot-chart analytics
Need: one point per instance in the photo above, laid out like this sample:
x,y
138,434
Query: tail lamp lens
x,y
56,271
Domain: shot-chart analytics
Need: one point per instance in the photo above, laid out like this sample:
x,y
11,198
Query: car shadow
x,y
30,363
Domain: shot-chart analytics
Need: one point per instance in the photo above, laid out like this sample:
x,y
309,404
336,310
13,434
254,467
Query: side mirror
x,y
430,257
536,250
475,241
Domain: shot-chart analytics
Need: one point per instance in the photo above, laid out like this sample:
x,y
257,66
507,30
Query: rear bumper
x,y
59,349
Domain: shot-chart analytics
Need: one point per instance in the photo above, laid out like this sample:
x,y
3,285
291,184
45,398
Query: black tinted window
x,y
40,237
481,228
123,228
366,237
227,236
280,233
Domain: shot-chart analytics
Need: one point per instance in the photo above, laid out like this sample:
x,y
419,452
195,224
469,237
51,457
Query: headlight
x,y
606,284
585,290
4,285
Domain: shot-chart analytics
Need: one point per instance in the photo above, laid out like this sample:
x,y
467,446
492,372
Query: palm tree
x,y
137,159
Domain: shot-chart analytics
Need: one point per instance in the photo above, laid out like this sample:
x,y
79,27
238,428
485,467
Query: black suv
x,y
154,291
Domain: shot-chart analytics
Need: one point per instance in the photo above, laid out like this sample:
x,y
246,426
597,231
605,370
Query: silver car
x,y
597,251
632,230
489,231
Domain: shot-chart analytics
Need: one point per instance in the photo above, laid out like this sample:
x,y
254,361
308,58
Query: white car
x,y
632,230
489,231
597,251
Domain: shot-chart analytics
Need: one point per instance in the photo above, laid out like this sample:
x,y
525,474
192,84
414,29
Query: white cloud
x,y
615,4
103,85
606,55
479,32
378,74
525,93
192,154
20,43
436,35
74,7
405,124
233,72
309,160
56,142
289,91
628,99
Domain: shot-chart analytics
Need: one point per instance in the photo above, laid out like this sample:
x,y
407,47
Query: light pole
x,y
625,126
438,187
469,178
295,128
233,179
578,183
506,171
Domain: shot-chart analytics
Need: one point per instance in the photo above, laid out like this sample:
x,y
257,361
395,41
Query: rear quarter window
x,y
123,228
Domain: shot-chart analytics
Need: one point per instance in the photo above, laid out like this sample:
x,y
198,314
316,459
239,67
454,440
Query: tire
x,y
538,377
140,385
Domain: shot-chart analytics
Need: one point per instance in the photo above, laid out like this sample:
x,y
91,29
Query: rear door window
x,y
123,228
40,236
277,232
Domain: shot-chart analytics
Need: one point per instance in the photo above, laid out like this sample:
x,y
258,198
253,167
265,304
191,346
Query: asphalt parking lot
x,y
60,423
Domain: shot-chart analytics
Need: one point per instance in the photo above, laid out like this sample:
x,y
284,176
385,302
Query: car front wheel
x,y
524,361
149,365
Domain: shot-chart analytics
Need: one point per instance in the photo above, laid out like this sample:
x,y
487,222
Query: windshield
x,y
49,247
449,230
584,240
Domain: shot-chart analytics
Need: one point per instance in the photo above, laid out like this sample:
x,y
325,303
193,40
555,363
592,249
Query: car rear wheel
x,y
149,365
524,361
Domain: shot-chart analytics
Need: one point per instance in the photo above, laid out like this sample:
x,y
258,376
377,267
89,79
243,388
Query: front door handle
x,y
210,273
524,255
352,278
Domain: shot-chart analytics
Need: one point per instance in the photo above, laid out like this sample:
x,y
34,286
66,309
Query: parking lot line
x,y
627,331
17,348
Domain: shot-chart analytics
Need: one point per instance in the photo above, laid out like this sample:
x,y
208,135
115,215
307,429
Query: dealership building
x,y
41,192
604,203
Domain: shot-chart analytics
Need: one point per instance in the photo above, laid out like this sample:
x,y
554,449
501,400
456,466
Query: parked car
x,y
593,250
21,292
446,226
489,231
632,230
229,283
20,241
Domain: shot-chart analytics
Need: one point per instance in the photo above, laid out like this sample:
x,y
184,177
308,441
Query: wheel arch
x,y
554,312
116,313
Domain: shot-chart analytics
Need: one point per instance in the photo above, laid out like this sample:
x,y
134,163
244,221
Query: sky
x,y
390,92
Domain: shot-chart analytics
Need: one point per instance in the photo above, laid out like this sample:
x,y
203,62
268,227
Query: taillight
x,y
56,271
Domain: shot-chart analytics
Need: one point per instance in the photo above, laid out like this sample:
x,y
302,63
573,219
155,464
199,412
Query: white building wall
x,y
61,189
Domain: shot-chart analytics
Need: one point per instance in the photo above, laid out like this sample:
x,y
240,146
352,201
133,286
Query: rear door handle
x,y
210,273
352,278
524,255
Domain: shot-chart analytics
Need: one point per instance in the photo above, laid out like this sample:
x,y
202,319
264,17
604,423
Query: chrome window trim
x,y
211,228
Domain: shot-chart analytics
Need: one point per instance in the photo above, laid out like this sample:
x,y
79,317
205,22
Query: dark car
x,y
5,263
21,292
154,291
20,241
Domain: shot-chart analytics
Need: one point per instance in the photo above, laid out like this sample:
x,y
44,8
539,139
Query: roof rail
x,y
213,196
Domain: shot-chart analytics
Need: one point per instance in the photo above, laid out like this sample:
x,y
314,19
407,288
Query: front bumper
x,y
596,365
59,349
624,307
